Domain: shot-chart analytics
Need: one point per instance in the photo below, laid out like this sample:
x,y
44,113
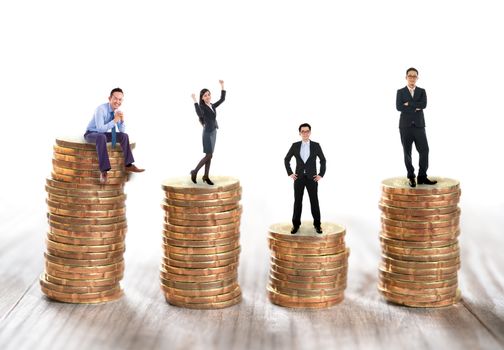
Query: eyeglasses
x,y
305,131
413,76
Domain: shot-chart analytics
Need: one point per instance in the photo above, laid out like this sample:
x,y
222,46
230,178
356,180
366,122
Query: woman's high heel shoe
x,y
207,180
193,176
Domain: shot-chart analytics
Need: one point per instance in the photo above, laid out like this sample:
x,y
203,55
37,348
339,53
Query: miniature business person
x,y
411,101
306,176
107,117
207,114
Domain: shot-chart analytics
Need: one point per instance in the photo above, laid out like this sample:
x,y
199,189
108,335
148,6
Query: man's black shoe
x,y
412,182
426,181
318,229
294,229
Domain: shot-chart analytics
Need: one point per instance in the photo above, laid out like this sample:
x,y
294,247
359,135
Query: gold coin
x,y
201,250
310,273
50,266
420,224
98,190
200,264
204,257
70,299
81,296
204,196
418,285
423,219
88,231
198,292
417,298
416,244
71,207
73,289
444,303
197,285
422,198
207,216
78,200
84,213
85,160
92,154
199,272
204,299
82,194
419,205
87,180
416,278
325,244
86,221
219,305
208,203
86,249
421,265
77,255
312,265
453,248
111,174
82,283
205,229
307,251
185,185
405,291
309,258
81,143
201,223
85,241
199,210
400,185
440,272
309,285
200,244
203,278
417,212
201,236
306,232
421,231
309,293
424,258
116,166
55,258
421,238
296,302
307,279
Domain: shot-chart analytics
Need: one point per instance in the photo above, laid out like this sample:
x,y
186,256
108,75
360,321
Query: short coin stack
x,y
308,270
419,241
87,225
201,243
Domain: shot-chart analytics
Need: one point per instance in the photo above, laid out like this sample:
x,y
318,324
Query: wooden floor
x,y
143,320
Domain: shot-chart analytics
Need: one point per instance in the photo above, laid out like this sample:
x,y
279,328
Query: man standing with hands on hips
x,y
306,153
107,117
411,101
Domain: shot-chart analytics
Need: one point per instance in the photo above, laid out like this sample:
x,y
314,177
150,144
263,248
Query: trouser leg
x,y
299,186
407,143
422,147
312,187
101,148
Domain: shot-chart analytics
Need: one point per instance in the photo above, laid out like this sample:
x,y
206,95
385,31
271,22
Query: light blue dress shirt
x,y
305,150
103,120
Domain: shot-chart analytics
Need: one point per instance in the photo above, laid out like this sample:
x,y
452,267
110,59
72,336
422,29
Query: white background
x,y
336,65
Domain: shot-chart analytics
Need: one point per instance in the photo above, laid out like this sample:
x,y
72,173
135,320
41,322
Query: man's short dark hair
x,y
412,69
116,90
304,125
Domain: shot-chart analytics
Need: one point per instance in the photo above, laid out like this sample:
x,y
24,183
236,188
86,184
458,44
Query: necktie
x,y
113,134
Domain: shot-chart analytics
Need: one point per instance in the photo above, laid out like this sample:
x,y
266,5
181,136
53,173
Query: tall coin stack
x,y
87,225
201,243
308,270
419,241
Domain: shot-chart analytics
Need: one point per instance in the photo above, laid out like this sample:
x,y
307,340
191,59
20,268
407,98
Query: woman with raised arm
x,y
207,114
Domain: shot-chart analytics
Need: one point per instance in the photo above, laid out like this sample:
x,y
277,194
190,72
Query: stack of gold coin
x,y
308,270
201,243
419,241
87,225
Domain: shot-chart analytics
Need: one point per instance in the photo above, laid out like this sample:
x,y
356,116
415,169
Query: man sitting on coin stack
x,y
107,117
306,153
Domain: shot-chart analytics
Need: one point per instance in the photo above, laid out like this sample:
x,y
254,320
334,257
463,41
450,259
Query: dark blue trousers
x,y
101,140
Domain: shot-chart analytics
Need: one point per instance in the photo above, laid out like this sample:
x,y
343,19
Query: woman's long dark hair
x,y
202,92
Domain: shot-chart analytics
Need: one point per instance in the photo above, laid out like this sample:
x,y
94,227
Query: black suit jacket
x,y
311,165
207,116
410,117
